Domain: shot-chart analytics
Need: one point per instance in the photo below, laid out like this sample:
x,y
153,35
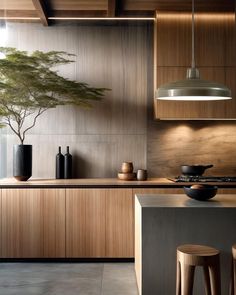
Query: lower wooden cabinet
x,y
33,223
85,223
119,223
81,223
99,223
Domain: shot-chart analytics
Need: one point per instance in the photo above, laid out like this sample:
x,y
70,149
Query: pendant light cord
x,y
193,37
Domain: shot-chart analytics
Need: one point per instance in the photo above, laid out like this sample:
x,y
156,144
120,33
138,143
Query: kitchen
x,y
130,48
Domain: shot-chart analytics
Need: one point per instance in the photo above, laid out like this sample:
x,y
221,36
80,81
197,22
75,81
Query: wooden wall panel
x,y
171,144
85,223
114,130
78,4
17,5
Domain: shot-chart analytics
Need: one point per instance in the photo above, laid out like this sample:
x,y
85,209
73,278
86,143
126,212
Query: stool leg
x,y
214,271
207,280
187,277
234,277
178,279
232,283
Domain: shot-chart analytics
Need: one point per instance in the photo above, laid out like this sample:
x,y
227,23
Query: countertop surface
x,y
100,182
182,201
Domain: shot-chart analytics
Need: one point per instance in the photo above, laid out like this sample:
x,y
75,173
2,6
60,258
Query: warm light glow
x,y
102,18
19,18
194,98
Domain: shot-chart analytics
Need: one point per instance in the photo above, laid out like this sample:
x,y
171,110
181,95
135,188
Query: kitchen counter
x,y
101,183
163,222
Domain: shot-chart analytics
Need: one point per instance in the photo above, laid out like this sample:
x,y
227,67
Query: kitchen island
x,y
162,222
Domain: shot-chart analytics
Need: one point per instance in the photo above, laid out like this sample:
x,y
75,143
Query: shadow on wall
x,y
175,143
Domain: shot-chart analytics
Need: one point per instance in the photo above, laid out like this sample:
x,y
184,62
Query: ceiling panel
x,y
78,4
16,5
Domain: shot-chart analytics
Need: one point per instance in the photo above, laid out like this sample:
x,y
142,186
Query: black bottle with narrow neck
x,y
68,164
59,165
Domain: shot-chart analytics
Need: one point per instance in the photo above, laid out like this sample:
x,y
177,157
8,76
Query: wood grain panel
x,y
85,223
0,223
53,222
17,5
171,145
211,31
33,223
114,130
144,191
179,5
119,223
138,245
78,4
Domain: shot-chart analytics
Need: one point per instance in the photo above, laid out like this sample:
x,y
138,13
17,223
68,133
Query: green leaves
x,y
29,86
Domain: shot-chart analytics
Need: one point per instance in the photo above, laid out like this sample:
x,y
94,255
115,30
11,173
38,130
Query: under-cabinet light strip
x,y
19,18
101,18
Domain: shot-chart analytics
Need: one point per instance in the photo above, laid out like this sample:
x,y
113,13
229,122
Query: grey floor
x,y
67,279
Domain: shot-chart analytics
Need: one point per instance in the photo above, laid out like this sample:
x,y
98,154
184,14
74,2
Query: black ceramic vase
x,y
22,161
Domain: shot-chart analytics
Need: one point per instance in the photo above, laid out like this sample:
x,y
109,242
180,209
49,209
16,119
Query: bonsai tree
x,y
29,86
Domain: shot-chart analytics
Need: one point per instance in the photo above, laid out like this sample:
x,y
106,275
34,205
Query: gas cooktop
x,y
187,178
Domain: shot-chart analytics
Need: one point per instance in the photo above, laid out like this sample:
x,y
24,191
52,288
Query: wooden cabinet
x,y
85,222
33,223
215,57
99,223
119,223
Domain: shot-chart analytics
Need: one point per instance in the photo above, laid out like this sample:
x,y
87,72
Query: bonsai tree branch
x,y
40,111
8,122
29,86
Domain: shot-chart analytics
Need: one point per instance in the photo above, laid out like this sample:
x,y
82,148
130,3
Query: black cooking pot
x,y
195,170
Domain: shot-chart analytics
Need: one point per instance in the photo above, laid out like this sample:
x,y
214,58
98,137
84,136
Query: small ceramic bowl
x,y
201,192
126,176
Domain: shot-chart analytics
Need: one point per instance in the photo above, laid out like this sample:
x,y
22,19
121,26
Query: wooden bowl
x,y
126,176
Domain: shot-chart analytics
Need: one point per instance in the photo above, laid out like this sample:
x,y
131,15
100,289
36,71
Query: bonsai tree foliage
x,y
29,86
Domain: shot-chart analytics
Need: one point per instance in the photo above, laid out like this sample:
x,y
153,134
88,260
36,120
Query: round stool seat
x,y
188,257
234,251
197,254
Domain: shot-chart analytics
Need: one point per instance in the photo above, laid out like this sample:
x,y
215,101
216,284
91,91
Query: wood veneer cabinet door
x,y
119,223
33,223
215,44
85,222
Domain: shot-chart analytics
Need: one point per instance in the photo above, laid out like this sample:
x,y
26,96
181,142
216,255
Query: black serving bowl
x,y
201,192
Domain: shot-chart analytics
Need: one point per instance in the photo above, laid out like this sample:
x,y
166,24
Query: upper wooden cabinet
x,y
215,57
33,223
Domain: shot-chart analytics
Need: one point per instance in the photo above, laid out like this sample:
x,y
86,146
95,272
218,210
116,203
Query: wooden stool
x,y
190,256
233,279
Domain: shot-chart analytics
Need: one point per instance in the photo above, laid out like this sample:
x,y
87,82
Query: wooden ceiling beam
x,y
112,8
42,12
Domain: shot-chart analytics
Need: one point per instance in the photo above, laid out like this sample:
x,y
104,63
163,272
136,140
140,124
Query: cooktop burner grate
x,y
187,178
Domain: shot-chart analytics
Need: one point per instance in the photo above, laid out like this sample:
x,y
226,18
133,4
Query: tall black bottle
x,y
68,164
59,165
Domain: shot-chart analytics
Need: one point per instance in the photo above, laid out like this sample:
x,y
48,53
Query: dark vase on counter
x,y
68,164
22,161
59,165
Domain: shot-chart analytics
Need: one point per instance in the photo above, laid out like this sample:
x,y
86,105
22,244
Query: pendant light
x,y
193,88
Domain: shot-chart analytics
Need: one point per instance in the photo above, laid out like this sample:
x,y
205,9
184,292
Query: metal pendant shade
x,y
193,88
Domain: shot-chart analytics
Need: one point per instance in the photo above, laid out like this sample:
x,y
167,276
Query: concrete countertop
x,y
182,201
